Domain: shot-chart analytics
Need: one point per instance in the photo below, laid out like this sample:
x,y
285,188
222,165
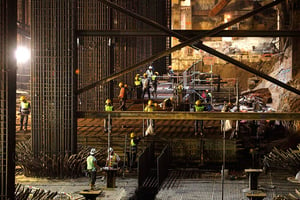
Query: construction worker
x,y
179,93
138,86
149,72
113,159
122,96
108,121
145,86
91,167
168,104
154,81
198,123
24,112
150,122
133,149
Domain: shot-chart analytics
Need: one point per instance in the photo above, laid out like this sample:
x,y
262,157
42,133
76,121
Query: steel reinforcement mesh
x,y
101,56
8,35
53,79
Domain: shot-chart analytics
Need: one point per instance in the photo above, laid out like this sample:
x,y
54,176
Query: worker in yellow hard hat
x,y
24,112
150,122
134,140
199,107
108,121
138,86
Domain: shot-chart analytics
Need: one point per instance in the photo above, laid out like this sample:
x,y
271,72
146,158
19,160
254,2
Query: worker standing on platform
x,y
122,96
138,86
149,72
108,121
146,86
199,123
154,81
133,149
24,112
113,159
92,168
150,122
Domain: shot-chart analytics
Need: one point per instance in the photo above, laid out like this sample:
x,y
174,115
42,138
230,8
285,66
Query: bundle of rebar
x,y
45,165
283,159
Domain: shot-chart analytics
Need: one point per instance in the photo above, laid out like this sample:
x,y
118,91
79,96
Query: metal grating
x,y
53,79
8,34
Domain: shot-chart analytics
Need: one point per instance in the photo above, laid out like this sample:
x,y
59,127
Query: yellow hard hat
x,y
145,75
156,73
108,101
22,98
121,84
198,102
132,135
150,102
137,75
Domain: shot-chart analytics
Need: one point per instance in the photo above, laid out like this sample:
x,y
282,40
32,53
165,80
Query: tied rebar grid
x,y
53,86
101,56
8,35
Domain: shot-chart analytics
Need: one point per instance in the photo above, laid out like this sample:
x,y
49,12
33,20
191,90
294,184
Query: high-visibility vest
x,y
122,92
199,108
148,108
132,143
113,160
153,77
109,108
138,81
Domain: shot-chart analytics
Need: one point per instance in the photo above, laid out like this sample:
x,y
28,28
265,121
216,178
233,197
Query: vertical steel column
x,y
8,39
52,90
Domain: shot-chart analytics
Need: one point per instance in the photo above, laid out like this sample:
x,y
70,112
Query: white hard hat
x,y
93,151
150,67
110,149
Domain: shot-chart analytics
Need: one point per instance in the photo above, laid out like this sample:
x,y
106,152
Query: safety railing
x,y
163,161
145,163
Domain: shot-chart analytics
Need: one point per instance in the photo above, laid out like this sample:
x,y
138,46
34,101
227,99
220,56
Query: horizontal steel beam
x,y
190,115
187,33
187,41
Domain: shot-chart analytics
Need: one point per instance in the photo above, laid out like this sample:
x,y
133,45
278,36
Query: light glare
x,y
22,54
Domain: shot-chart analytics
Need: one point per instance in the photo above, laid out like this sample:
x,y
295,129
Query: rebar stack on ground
x,y
24,193
283,159
73,164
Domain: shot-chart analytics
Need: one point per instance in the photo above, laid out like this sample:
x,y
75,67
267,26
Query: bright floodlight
x,y
22,54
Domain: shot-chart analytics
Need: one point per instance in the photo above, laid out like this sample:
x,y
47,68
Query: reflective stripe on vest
x,y
112,161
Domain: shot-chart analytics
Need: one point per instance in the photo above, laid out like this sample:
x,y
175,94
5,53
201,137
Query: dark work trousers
x,y
123,104
23,119
92,176
199,126
107,124
138,90
146,90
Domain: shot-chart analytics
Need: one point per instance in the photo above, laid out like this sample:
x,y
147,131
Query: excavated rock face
x,y
290,102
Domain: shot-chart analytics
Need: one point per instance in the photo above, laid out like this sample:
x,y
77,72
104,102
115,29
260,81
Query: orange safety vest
x,y
122,92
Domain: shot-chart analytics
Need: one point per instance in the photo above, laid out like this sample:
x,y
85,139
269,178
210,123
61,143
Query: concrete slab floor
x,y
70,188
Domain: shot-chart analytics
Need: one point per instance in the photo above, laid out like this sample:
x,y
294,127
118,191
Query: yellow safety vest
x,y
108,108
